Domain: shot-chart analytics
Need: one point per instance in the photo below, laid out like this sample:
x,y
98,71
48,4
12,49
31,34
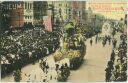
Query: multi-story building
x,y
39,9
28,12
77,9
32,12
65,11
19,13
60,10
13,13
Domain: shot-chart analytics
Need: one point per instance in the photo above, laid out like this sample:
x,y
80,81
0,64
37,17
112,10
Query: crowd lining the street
x,y
62,69
117,66
23,47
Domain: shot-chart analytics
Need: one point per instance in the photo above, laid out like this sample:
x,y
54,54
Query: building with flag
x,y
39,10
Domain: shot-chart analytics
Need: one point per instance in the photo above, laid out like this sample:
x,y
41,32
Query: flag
x,y
47,23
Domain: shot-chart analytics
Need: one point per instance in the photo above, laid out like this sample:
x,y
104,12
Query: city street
x,y
93,68
34,73
48,41
95,61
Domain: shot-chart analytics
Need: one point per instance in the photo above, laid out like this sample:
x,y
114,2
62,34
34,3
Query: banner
x,y
47,23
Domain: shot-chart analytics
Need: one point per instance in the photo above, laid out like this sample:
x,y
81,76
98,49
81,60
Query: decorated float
x,y
72,46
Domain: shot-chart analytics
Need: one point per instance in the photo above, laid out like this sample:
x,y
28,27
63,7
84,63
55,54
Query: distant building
x,y
20,13
78,9
28,12
89,14
39,9
61,10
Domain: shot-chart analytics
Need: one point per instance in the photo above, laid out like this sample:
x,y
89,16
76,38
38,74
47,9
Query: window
x,y
25,17
25,5
60,4
30,6
11,6
7,7
16,6
30,17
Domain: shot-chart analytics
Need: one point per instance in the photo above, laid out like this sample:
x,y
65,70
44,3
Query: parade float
x,y
72,46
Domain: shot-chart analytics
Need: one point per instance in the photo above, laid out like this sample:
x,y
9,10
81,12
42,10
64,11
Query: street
x,y
92,69
68,41
34,73
95,62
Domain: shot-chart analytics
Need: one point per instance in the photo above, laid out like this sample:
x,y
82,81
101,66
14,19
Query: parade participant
x,y
114,43
112,56
96,39
62,68
108,74
103,43
57,67
110,64
17,75
109,40
91,42
43,65
47,67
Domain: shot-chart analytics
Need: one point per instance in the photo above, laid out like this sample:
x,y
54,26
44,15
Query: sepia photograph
x,y
63,40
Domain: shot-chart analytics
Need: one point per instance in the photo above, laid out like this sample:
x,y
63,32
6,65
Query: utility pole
x,y
52,15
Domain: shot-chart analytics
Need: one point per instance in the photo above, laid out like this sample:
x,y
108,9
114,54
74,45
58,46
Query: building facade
x,y
76,10
32,12
39,9
28,12
13,13
60,10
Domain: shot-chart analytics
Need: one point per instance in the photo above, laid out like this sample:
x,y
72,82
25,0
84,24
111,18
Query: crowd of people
x,y
22,47
117,66
61,68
